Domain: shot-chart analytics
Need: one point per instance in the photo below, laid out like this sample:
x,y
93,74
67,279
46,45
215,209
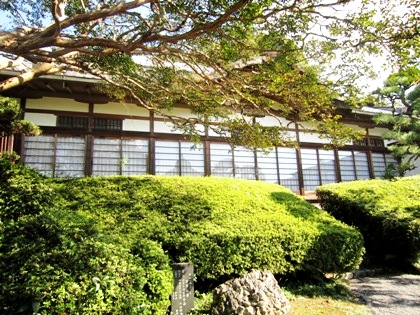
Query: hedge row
x,y
386,212
104,245
55,261
224,226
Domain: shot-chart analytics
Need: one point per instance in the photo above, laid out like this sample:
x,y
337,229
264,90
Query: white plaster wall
x,y
57,104
123,109
136,125
355,127
387,142
272,121
232,116
201,130
49,120
292,135
165,127
310,126
311,137
180,112
303,125
377,131
213,134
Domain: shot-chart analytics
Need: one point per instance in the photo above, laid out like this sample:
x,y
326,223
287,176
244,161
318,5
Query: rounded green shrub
x,y
56,260
386,212
225,227
104,245
22,191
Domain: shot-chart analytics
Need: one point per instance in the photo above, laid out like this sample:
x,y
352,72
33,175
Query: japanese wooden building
x,y
87,134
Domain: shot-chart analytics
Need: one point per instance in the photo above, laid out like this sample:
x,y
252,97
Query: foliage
x,y
387,213
103,245
225,227
10,157
202,303
222,59
337,133
22,191
401,93
56,261
10,121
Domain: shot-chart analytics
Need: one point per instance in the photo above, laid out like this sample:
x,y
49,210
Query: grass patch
x,y
323,296
322,306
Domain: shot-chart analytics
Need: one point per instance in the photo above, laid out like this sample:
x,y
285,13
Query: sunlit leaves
x,y
385,212
218,58
10,121
255,135
337,134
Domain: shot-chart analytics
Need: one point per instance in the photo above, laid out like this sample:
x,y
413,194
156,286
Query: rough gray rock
x,y
256,293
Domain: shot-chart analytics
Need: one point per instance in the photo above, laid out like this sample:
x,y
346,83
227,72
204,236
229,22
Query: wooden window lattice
x,y
107,124
79,122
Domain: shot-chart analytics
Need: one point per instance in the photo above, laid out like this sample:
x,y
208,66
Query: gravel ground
x,y
389,294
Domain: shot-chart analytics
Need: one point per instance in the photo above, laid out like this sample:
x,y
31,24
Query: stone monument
x,y
182,298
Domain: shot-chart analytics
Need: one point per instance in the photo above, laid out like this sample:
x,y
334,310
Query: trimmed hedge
x,y
22,190
104,245
225,227
386,212
55,261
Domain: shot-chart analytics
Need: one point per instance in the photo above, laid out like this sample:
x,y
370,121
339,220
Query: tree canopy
x,y
218,58
401,94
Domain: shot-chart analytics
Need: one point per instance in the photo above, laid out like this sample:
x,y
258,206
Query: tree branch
x,y
199,30
4,64
44,68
